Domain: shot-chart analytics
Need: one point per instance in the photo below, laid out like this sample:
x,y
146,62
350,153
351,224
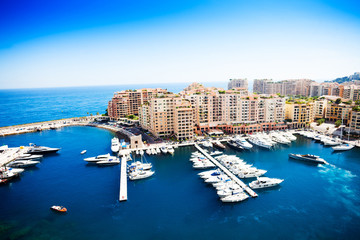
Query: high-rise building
x,y
238,83
316,89
127,102
299,114
285,87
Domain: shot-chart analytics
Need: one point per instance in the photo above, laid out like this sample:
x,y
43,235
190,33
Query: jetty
x,y
227,172
123,180
10,154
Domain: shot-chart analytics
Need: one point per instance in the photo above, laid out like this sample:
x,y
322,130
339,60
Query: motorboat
x,y
115,144
214,153
83,152
28,157
203,165
141,152
153,151
331,142
264,182
140,174
41,149
148,151
233,144
343,147
251,172
137,152
289,136
243,143
164,149
170,149
228,191
215,179
59,209
158,150
10,172
99,158
207,144
22,163
261,143
140,165
307,157
218,144
235,197
211,173
3,181
110,161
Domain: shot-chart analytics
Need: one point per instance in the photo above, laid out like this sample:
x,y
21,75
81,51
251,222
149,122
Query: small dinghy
x,y
83,152
59,209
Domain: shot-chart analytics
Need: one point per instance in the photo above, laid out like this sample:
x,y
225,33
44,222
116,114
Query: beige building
x,y
355,121
299,114
128,102
285,87
238,83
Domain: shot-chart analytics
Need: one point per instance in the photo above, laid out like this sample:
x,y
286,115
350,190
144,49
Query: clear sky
x,y
101,42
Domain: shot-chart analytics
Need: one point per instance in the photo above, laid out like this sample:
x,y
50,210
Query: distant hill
x,y
355,76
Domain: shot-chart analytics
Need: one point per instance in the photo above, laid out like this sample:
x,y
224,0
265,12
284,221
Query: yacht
x,y
41,149
243,143
234,145
158,150
28,157
153,151
140,165
215,179
137,152
99,158
307,157
170,149
141,152
140,174
260,142
289,136
148,151
343,147
263,182
331,142
218,144
203,165
110,161
22,163
214,153
164,149
10,172
207,144
251,172
210,173
83,152
228,191
235,197
115,144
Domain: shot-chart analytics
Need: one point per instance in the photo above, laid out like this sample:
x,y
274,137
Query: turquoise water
x,y
314,202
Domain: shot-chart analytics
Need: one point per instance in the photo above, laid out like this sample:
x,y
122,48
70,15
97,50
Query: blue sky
x,y
79,43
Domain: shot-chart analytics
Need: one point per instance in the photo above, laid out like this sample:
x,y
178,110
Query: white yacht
x,y
215,179
141,152
148,151
289,136
210,173
115,144
170,149
83,152
259,142
164,149
307,157
10,172
203,165
140,165
343,147
251,172
140,174
332,142
214,153
110,161
22,163
158,150
243,143
218,144
229,191
41,149
263,182
28,157
153,151
235,197
99,158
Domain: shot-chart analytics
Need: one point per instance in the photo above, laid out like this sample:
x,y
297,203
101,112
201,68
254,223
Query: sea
x,y
313,202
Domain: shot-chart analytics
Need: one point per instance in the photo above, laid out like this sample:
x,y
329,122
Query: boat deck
x,y
227,172
123,180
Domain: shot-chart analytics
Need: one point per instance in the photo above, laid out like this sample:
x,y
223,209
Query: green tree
x,y
320,121
338,101
337,123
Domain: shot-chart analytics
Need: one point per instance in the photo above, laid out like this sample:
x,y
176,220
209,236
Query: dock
x,y
10,154
123,180
227,172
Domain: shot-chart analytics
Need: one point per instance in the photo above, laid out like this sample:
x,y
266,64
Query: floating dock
x,y
123,180
226,171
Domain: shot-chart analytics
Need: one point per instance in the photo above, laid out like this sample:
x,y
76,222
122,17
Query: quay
x,y
123,180
9,154
230,174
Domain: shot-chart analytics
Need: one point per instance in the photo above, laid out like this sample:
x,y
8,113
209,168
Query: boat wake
x,y
341,186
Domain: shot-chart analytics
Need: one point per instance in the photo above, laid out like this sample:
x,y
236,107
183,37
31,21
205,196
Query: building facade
x,y
238,83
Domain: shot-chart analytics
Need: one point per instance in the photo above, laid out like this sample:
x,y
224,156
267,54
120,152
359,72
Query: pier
x,y
227,172
10,154
123,180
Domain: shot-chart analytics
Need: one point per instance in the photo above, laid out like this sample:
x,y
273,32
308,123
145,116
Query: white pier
x,y
123,180
226,171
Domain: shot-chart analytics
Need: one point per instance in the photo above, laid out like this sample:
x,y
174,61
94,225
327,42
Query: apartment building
x,y
351,92
285,87
299,114
183,121
316,89
238,83
128,101
355,121
319,108
340,111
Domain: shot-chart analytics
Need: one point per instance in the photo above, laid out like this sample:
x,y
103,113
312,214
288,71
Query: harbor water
x,y
313,202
